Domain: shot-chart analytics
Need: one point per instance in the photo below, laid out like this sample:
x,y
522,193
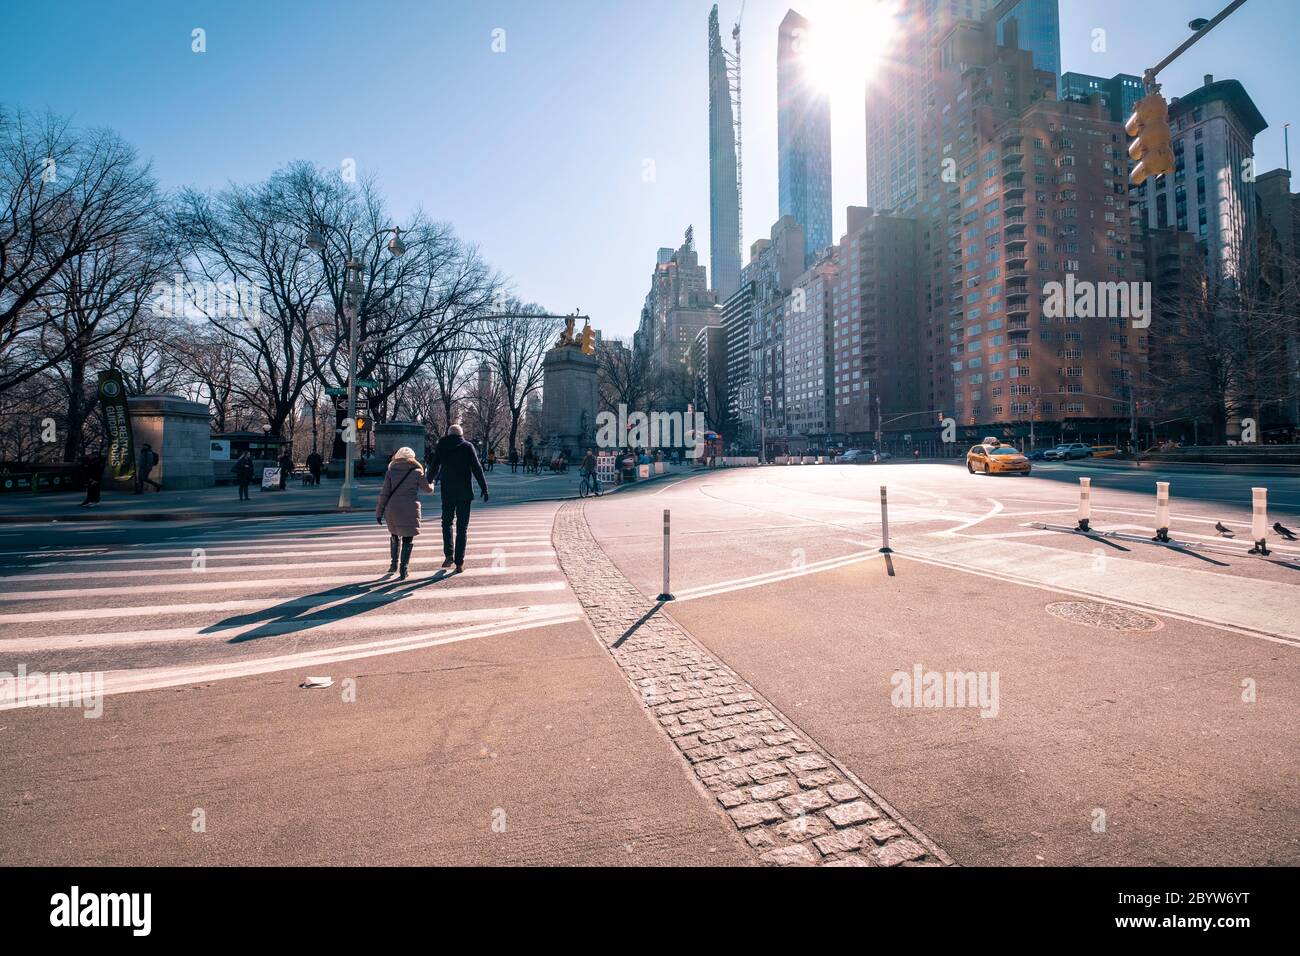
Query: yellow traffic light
x,y
1152,145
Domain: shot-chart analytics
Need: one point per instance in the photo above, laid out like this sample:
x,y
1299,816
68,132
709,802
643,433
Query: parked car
x,y
1068,451
997,459
1038,454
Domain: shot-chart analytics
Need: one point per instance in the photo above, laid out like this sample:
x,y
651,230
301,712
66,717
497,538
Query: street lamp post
x,y
353,288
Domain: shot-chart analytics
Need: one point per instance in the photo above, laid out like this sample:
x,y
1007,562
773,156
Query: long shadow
x,y
302,613
1193,554
635,627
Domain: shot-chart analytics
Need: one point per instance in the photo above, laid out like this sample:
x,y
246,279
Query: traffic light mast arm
x,y
1149,78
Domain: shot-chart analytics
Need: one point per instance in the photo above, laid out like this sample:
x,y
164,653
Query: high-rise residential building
x,y
724,193
1038,30
1119,94
875,374
809,416
1211,192
898,95
803,135
678,281
707,361
737,323
1039,201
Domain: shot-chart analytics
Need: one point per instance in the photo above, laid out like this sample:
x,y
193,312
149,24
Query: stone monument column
x,y
570,400
180,432
390,436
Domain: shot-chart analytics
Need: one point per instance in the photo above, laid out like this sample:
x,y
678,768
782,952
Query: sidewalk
x,y
223,501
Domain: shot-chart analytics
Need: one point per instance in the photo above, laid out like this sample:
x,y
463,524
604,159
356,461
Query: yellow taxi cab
x,y
997,459
1105,451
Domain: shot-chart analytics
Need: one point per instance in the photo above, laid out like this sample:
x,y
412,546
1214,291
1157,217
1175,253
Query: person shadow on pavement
x,y
324,607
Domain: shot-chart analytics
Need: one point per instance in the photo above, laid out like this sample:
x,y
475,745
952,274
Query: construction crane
x,y
733,75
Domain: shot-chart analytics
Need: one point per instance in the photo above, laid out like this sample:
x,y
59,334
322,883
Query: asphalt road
x,y
1134,743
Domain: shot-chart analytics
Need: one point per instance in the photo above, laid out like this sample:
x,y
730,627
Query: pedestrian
x,y
244,474
315,464
286,467
399,506
588,470
455,464
491,460
514,460
93,471
145,463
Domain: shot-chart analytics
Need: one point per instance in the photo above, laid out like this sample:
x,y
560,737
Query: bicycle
x,y
587,485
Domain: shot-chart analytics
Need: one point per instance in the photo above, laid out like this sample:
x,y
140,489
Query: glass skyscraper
x,y
803,138
1038,29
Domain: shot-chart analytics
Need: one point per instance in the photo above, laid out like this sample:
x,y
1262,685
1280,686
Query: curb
x,y
89,515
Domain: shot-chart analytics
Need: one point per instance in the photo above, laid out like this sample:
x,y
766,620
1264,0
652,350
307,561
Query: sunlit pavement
x,y
472,718
477,718
1108,746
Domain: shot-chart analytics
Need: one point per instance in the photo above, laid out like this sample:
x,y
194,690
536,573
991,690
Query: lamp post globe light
x,y
354,287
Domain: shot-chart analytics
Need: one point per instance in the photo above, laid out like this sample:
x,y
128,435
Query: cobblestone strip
x,y
791,800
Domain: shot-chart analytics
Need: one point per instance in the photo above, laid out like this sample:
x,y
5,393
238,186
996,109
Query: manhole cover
x,y
1106,616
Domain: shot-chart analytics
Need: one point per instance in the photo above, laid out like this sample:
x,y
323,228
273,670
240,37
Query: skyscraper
x,y
1039,30
803,136
724,194
898,95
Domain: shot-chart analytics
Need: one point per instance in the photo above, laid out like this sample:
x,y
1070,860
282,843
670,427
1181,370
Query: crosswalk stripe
x,y
187,554
247,568
448,592
438,619
42,595
132,681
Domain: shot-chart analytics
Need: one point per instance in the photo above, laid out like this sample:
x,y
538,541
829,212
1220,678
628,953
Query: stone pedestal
x,y
390,436
180,432
570,398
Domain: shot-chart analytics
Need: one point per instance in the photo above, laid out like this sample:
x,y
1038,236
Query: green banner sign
x,y
117,424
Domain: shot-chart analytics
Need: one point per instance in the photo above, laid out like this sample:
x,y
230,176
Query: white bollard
x,y
667,595
1162,511
884,522
1259,520
1085,503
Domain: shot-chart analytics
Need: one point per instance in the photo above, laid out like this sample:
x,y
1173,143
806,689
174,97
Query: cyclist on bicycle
x,y
588,471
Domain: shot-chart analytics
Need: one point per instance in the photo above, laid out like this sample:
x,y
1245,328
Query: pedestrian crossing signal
x,y
363,424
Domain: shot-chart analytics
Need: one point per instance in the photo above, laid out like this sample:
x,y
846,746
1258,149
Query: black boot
x,y
392,552
406,557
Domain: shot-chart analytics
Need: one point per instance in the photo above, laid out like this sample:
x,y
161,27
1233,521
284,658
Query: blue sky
x,y
537,154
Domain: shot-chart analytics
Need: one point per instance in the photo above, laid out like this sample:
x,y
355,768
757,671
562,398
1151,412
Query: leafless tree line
x,y
217,296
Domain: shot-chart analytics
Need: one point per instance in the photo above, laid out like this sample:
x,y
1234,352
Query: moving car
x,y
1068,451
1105,451
997,460
855,456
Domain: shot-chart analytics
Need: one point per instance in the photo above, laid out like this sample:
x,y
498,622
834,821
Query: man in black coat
x,y
454,462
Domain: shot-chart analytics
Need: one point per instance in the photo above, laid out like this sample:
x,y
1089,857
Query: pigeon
x,y
1284,532
1218,526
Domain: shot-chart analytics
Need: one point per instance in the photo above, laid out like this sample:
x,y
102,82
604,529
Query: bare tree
x,y
251,239
514,346
72,204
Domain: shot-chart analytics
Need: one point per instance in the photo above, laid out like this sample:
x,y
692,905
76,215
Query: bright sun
x,y
847,40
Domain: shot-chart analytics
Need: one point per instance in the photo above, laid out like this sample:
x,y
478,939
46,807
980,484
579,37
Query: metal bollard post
x,y
1259,520
1085,504
1162,511
666,595
884,522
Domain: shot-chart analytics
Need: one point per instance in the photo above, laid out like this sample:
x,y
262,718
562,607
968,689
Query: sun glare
x,y
846,42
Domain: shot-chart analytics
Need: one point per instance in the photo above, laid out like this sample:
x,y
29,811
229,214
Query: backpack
x,y
154,460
